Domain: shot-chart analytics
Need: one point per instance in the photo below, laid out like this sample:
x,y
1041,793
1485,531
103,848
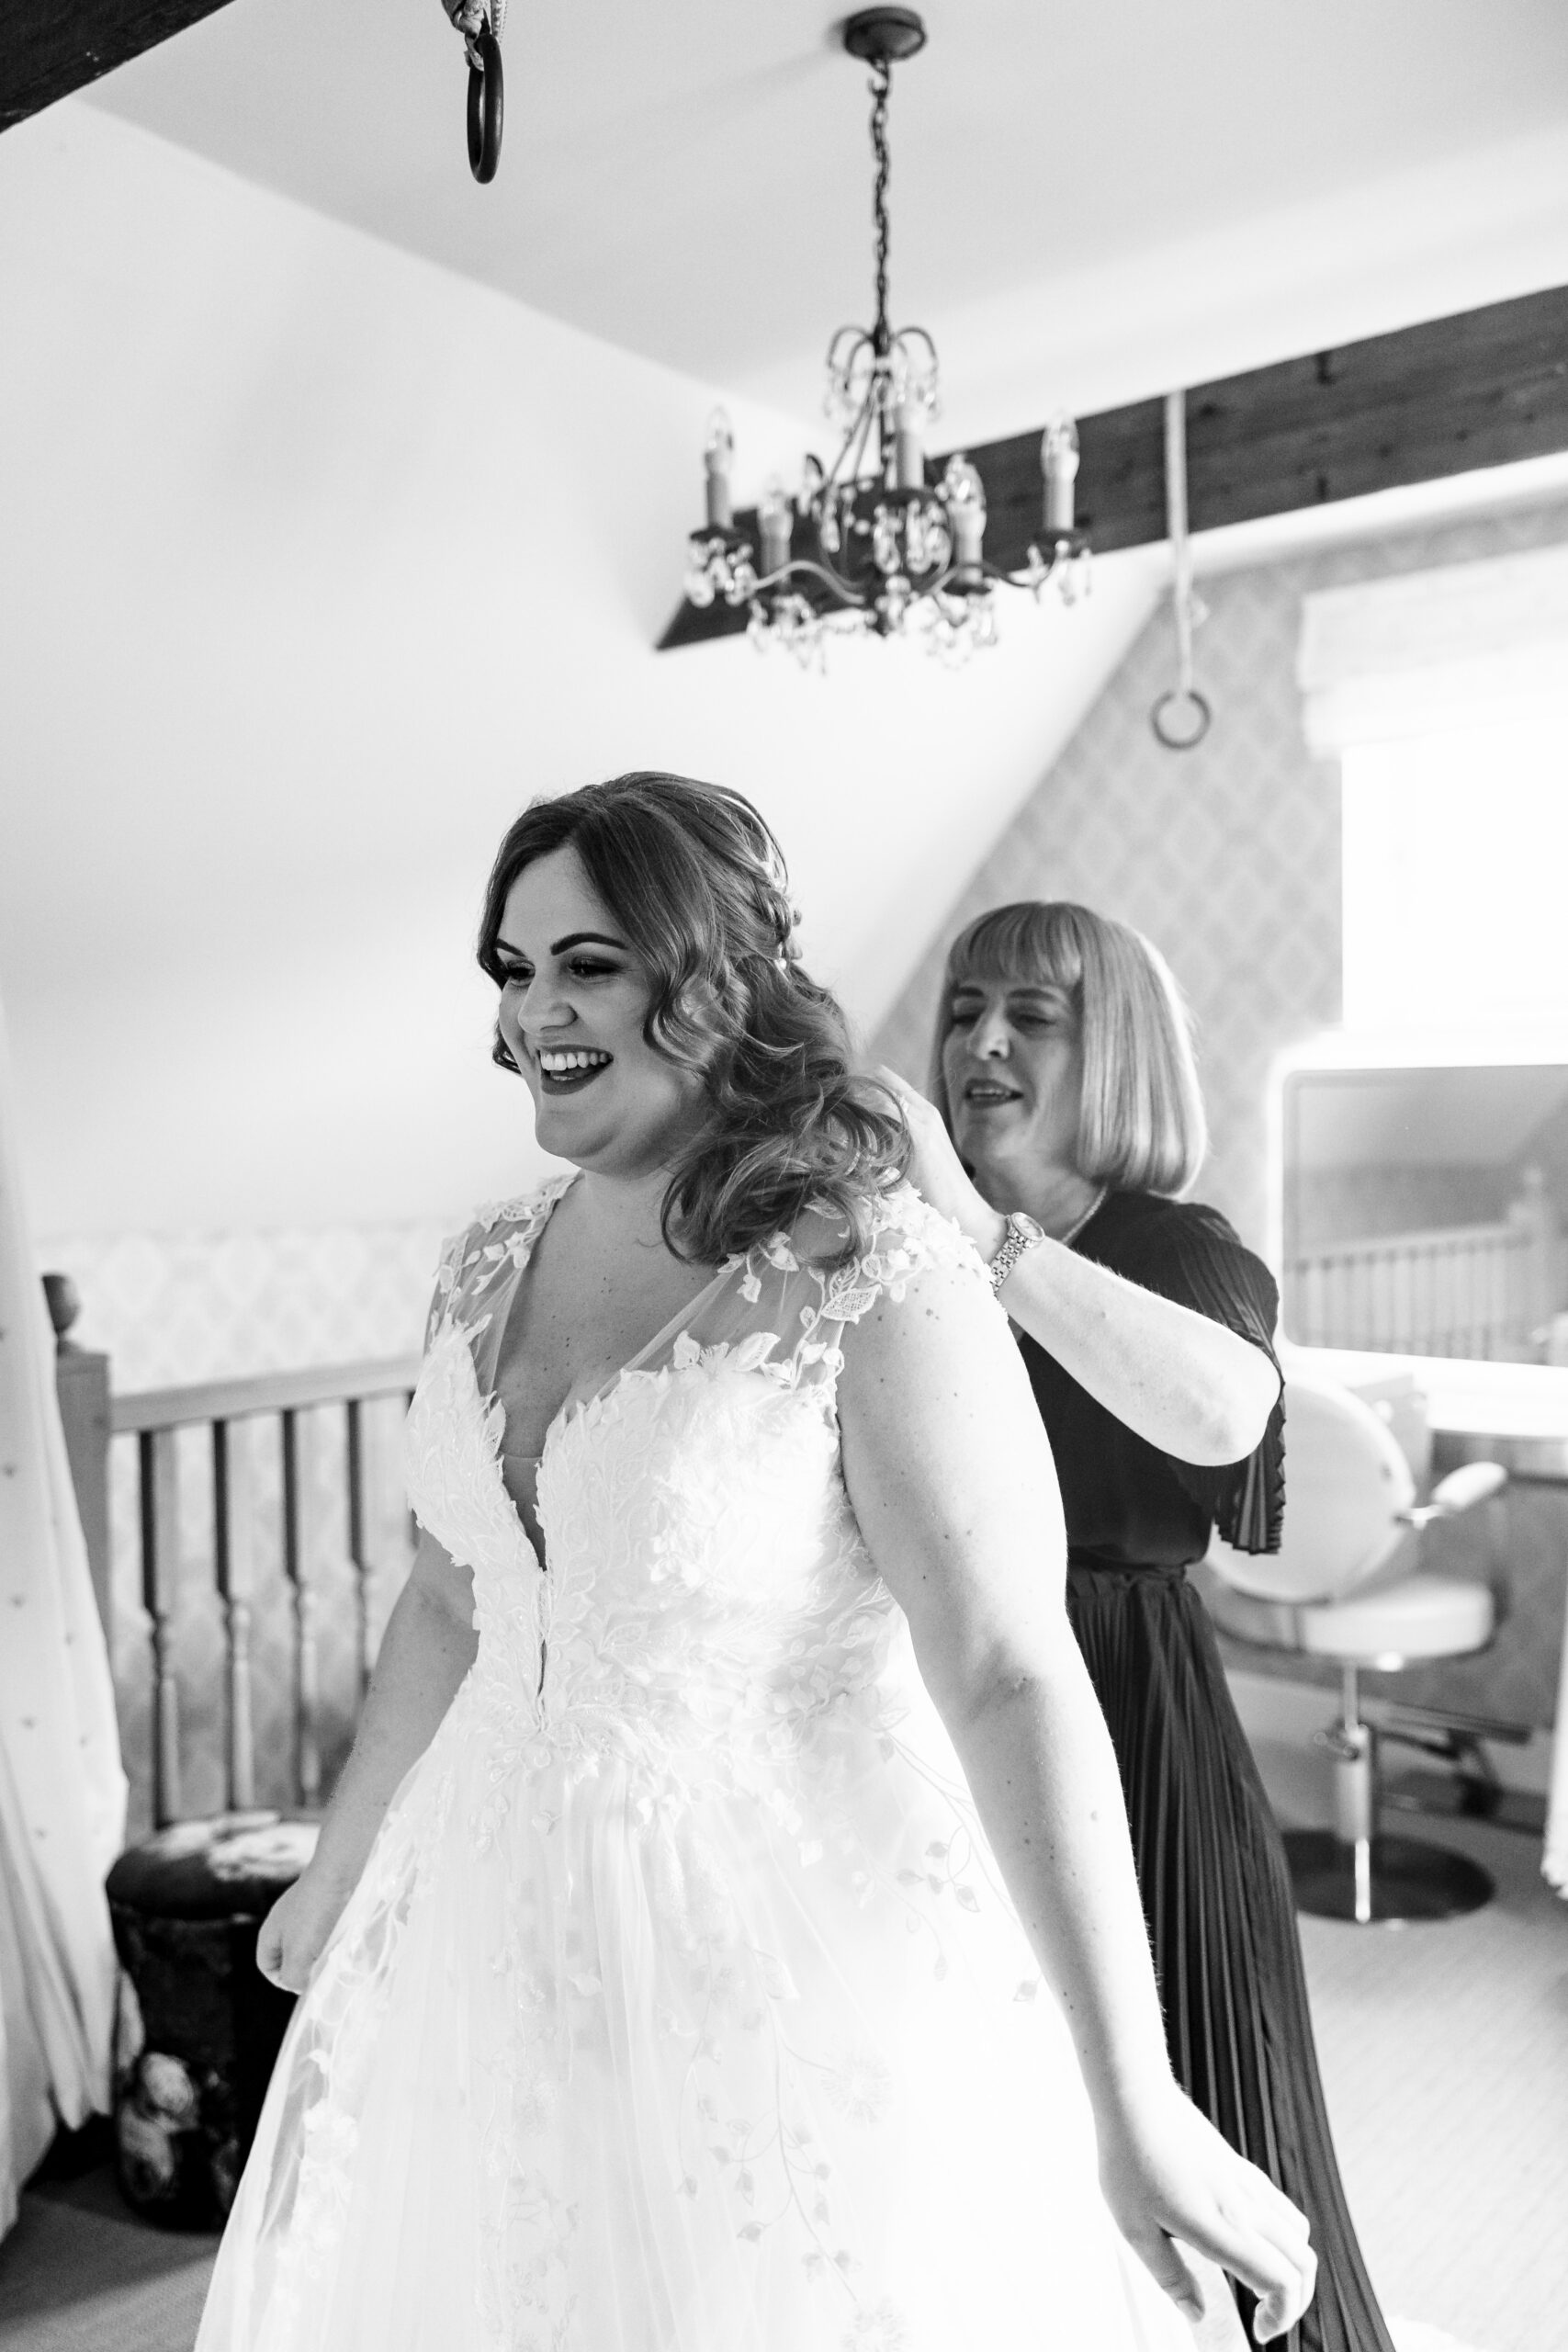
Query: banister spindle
x,y
358,1515
232,1560
160,1510
307,1753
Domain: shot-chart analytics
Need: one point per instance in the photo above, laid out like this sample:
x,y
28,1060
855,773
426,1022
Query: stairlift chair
x,y
1347,1585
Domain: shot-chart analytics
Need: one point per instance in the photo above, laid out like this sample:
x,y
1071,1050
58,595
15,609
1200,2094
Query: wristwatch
x,y
1022,1234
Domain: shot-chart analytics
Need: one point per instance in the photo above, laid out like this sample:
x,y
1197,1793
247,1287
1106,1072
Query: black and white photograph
x,y
784,1176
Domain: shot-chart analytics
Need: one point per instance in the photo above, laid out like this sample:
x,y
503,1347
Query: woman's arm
x,y
426,1650
1179,1380
953,1485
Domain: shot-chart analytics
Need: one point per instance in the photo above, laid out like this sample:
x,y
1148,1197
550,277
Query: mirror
x,y
1424,1209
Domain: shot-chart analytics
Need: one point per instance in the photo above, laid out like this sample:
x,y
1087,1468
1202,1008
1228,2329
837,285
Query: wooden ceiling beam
x,y
49,48
1482,389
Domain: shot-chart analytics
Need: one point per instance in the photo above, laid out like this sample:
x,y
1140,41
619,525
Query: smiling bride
x,y
724,1935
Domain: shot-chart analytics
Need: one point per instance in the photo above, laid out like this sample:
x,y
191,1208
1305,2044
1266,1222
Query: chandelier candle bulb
x,y
1059,464
966,495
775,517
908,452
968,530
718,456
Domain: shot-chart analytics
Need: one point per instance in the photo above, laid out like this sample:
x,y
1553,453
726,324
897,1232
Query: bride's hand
x,y
1168,2175
296,1928
937,1172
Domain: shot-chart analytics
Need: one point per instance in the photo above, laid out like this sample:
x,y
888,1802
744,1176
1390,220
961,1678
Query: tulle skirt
x,y
1217,1897
606,2059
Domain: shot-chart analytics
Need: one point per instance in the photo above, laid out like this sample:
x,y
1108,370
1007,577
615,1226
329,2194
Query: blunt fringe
x,y
1141,1125
695,880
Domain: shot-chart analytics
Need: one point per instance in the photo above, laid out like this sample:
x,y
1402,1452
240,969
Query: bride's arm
x,y
954,1486
426,1650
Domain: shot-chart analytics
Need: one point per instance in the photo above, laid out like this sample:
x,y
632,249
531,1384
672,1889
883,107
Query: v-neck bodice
x,y
692,1507
494,1354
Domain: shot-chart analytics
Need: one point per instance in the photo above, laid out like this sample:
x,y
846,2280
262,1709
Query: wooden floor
x,y
1445,2055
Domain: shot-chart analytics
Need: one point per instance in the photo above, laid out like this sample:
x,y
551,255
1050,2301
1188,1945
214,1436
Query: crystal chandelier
x,y
869,544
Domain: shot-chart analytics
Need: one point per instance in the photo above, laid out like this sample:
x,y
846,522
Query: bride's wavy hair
x,y
696,881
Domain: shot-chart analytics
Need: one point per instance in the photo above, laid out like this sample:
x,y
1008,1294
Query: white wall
x,y
317,563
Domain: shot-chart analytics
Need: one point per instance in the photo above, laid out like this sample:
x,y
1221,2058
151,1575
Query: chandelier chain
x,y
881,82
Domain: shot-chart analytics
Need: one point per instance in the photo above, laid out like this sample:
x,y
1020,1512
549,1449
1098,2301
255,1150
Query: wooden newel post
x,y
82,1385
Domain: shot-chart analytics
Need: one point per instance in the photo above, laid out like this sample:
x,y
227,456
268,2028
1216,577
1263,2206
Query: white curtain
x,y
61,1789
1460,646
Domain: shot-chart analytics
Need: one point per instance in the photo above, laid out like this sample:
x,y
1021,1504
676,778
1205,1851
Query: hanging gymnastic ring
x,y
486,93
1159,721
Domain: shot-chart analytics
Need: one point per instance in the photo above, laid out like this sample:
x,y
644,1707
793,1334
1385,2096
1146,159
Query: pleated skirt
x,y
1216,1895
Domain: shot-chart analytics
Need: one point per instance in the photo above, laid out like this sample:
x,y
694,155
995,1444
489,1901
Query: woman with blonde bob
x,y
1065,1125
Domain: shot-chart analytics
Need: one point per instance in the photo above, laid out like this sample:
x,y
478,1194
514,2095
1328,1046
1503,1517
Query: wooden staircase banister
x,y
263,1392
312,1405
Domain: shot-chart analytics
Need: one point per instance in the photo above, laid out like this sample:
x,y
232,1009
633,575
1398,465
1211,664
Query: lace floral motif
x,y
672,1748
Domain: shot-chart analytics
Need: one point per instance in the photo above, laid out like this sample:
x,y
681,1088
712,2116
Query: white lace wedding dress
x,y
680,2007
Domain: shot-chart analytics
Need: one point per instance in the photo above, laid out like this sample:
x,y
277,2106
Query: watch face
x,y
1025,1227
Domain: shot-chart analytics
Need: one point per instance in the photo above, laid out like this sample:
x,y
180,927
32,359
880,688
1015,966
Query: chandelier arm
x,y
1063,551
843,589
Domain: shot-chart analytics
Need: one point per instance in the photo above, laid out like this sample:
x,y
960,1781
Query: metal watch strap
x,y
1022,1234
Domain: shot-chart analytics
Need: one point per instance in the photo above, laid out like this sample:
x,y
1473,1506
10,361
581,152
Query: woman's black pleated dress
x,y
1210,1866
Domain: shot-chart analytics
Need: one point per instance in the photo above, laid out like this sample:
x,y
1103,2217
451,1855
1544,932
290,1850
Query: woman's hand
x,y
938,1174
1172,2182
296,1929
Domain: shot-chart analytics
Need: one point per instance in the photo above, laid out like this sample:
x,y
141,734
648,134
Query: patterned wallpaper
x,y
1228,857
170,1307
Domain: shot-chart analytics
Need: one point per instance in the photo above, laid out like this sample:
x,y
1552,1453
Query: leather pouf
x,y
186,1904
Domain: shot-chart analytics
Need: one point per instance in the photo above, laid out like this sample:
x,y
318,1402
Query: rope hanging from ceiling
x,y
1181,717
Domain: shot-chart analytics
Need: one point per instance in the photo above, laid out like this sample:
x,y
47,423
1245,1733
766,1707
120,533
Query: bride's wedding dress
x,y
680,2007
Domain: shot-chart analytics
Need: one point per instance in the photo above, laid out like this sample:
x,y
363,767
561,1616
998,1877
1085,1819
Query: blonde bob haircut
x,y
1141,1123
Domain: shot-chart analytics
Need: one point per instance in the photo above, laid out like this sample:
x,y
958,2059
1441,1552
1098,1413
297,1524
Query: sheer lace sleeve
x,y
448,1270
481,1262
908,1237
784,1313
